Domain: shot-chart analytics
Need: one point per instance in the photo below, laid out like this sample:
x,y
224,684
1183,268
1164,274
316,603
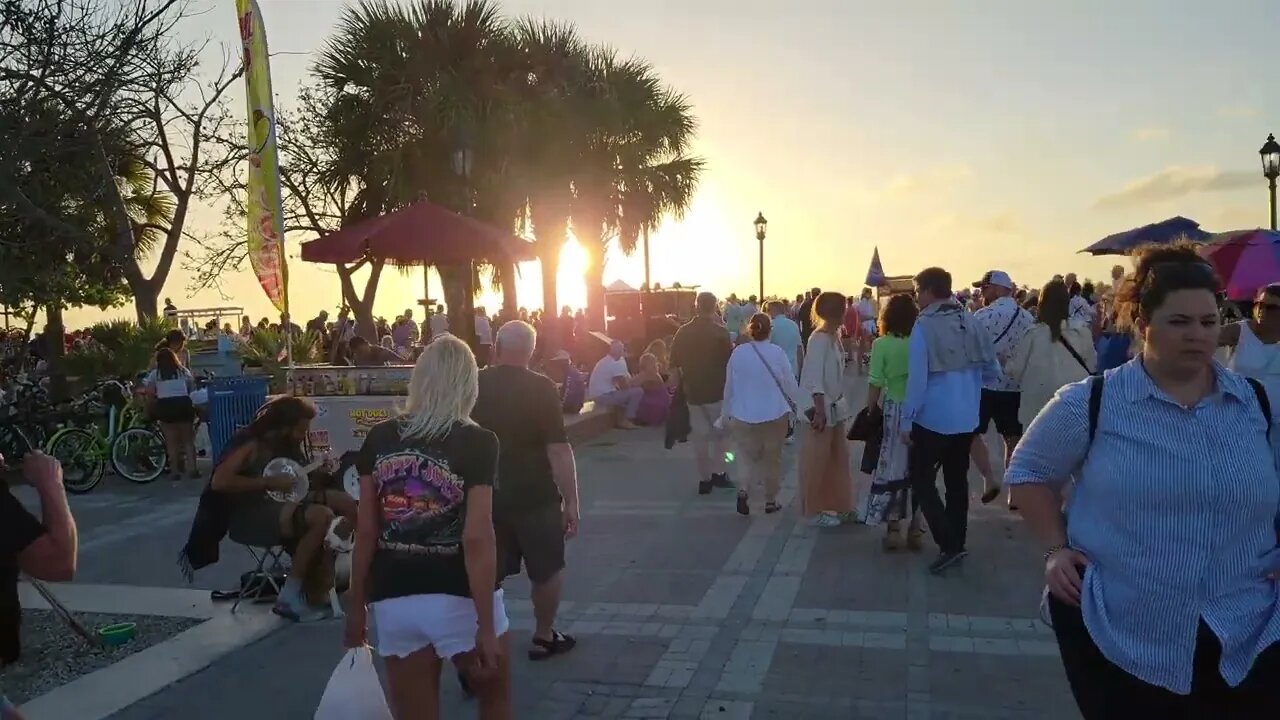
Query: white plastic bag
x,y
353,692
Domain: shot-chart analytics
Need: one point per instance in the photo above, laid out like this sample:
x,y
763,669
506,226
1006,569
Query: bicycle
x,y
27,418
135,450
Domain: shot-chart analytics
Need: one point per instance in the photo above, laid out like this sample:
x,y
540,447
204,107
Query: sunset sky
x,y
974,135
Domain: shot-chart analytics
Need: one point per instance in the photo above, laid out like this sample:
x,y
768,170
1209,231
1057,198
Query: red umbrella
x,y
1245,260
420,233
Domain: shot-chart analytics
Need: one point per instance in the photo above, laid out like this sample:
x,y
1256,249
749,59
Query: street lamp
x,y
1270,153
761,226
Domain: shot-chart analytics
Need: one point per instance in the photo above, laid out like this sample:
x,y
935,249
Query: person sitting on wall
x,y
571,382
611,386
364,353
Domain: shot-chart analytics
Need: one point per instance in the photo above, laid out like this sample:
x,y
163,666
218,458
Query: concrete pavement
x,y
682,608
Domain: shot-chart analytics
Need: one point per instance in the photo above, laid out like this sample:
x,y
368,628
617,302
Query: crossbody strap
x,y
790,403
1008,327
1063,339
1263,401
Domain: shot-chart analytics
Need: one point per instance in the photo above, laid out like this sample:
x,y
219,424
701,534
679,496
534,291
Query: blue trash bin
x,y
233,401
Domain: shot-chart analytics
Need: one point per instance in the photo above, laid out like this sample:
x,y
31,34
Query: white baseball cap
x,y
999,278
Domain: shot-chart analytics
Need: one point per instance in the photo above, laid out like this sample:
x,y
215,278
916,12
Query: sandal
x,y
559,644
771,507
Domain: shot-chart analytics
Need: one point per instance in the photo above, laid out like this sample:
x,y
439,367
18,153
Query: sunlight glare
x,y
569,279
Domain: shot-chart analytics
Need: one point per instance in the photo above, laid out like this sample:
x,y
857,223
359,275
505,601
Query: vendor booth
x,y
349,401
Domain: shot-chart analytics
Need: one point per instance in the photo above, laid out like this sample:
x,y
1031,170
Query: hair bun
x,y
759,327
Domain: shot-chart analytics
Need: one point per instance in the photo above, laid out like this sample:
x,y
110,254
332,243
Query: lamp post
x,y
761,226
463,156
1270,153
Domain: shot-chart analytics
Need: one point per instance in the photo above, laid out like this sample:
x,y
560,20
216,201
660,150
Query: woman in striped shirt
x,y
1162,587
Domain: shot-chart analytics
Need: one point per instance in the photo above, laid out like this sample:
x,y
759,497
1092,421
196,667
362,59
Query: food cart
x,y
349,401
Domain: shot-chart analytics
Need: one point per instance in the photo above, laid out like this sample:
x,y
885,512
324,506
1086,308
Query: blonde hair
x,y
658,349
442,390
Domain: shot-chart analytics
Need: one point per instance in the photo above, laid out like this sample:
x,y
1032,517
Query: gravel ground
x,y
53,655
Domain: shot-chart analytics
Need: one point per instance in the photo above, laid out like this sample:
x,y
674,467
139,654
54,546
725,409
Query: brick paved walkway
x,y
684,609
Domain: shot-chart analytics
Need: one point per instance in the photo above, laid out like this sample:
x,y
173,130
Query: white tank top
x,y
1258,360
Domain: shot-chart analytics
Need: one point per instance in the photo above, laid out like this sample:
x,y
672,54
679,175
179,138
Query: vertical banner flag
x,y
875,273
263,198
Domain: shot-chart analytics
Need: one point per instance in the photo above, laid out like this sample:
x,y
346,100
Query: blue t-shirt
x,y
786,335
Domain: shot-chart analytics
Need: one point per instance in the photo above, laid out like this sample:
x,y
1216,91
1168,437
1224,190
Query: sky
x,y
977,135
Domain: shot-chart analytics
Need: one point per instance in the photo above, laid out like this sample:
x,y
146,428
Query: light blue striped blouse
x,y
1176,510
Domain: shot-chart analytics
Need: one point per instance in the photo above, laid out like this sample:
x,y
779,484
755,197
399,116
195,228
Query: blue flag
x,y
875,273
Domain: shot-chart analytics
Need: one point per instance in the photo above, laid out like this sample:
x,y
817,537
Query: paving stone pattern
x,y
685,610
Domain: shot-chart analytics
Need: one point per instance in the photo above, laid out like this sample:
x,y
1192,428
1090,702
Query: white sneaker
x,y
824,520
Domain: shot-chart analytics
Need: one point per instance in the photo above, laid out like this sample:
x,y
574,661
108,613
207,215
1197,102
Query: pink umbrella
x,y
1245,260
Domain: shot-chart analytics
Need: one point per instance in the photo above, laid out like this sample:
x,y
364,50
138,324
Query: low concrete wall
x,y
589,424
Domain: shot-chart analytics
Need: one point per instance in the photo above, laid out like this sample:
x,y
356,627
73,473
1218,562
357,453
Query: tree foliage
x,y
103,146
564,134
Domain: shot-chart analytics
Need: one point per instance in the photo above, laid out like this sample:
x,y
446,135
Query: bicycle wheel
x,y
14,444
83,462
138,455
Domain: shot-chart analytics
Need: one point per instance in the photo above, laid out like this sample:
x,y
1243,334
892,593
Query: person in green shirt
x,y
886,389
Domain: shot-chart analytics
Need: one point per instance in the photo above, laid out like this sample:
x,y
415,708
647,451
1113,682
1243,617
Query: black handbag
x,y
865,425
868,427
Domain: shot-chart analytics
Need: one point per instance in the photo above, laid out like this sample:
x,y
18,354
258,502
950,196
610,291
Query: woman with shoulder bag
x,y
1051,354
826,485
1162,572
759,399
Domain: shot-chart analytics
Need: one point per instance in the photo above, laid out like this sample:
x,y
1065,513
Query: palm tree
x,y
554,68
634,157
406,81
563,135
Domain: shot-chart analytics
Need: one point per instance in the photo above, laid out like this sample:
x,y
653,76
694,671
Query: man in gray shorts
x,y
535,505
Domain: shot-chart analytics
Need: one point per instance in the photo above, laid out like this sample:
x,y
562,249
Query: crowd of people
x,y
1150,484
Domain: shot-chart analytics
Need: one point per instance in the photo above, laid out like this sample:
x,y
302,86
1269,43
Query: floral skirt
x,y
889,496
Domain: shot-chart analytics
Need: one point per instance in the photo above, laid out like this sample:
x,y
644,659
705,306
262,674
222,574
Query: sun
x,y
570,285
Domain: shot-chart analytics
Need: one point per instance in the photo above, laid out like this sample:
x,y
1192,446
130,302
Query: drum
x,y
287,468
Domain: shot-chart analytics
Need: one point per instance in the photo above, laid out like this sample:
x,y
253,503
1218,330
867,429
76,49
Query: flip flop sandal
x,y
559,644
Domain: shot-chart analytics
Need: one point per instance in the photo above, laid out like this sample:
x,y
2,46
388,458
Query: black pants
x,y
1103,691
928,452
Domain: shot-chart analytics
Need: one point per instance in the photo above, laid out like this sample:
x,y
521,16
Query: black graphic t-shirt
x,y
422,506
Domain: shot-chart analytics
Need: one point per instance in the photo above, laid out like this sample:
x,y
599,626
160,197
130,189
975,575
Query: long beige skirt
x,y
826,485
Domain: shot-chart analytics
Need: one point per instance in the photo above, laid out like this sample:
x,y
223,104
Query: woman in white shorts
x,y
425,558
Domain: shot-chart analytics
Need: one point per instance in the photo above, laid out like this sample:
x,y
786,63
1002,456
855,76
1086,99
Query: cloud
x,y
1005,222
1152,134
1238,112
1233,217
1175,182
908,184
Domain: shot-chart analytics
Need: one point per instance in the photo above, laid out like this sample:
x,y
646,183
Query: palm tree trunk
x,y
507,276
549,258
458,281
593,277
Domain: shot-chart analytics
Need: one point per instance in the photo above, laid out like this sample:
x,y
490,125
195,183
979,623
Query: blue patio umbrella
x,y
1161,233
